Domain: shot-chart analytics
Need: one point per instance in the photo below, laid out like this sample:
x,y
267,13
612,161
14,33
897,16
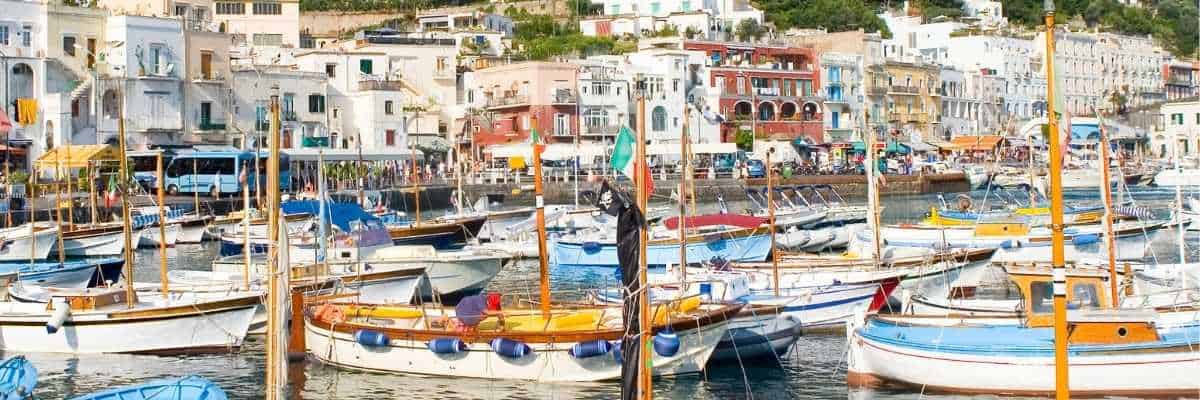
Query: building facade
x,y
1178,131
509,101
913,99
842,75
1180,79
770,91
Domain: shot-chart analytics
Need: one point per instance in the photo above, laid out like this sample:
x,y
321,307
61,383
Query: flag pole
x,y
1058,262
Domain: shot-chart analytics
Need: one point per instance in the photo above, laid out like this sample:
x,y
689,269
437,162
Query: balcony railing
x,y
507,101
877,90
290,116
905,89
380,85
766,91
211,126
563,97
602,130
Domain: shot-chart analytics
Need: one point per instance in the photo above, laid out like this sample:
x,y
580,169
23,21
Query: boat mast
x,y
416,189
122,183
683,177
92,177
771,221
358,171
70,193
62,254
195,193
246,245
539,204
639,177
1179,205
1106,193
162,230
32,209
322,212
276,362
872,199
1058,262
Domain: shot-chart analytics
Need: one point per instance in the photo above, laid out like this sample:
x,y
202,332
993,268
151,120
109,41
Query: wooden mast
x,y
1106,195
872,191
91,173
122,183
246,245
162,230
195,193
58,217
645,387
1058,262
31,195
415,184
539,203
771,221
70,193
276,362
683,178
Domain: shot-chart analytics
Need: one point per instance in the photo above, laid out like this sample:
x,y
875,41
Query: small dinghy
x,y
793,239
187,388
18,378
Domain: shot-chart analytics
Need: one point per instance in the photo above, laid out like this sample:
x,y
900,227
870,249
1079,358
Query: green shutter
x,y
365,66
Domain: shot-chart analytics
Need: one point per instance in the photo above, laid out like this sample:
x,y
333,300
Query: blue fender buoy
x,y
590,348
666,343
510,348
370,338
591,247
447,345
1008,244
616,351
1085,239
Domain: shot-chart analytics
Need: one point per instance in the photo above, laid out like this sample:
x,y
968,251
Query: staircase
x,y
84,87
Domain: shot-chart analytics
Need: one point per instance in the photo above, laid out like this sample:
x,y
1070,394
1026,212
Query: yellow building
x,y
912,98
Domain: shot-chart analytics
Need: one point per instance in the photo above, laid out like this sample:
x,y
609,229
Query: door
x,y
206,65
205,116
834,120
91,53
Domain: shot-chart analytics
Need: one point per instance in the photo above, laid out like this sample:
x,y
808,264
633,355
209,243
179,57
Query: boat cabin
x,y
1001,227
1090,317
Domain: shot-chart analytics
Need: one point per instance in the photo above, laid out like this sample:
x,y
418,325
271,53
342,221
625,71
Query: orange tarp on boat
x,y
977,143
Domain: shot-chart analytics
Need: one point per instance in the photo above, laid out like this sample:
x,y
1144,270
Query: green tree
x,y
669,30
748,30
833,15
744,139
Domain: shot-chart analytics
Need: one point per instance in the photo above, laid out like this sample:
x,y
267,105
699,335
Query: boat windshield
x,y
1082,295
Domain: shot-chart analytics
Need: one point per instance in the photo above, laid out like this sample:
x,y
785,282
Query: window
x,y
267,8
4,35
741,85
525,122
562,124
206,64
1042,296
205,115
365,66
288,108
1177,119
268,39
26,36
616,9
260,118
231,8
158,61
69,45
1197,118
600,88
441,64
595,118
658,120
675,85
181,10
387,107
805,87
331,70
654,8
390,135
685,6
316,104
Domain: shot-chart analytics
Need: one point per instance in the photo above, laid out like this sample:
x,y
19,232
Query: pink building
x,y
508,98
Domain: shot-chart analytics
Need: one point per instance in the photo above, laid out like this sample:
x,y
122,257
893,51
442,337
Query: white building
x,y
960,112
1179,126
301,104
465,21
1094,67
146,59
710,19
274,23
604,98
843,77
983,88
1014,60
988,13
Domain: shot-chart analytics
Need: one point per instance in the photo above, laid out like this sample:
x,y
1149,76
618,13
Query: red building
x,y
770,90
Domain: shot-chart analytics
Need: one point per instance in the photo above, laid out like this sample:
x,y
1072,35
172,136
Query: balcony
x,y
1179,81
211,126
877,90
601,130
289,116
563,97
508,101
366,85
210,77
766,91
905,89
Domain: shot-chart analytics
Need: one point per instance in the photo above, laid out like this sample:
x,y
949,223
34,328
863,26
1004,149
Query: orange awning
x,y
977,143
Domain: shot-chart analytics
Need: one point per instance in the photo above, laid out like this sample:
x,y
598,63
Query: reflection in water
x,y
813,369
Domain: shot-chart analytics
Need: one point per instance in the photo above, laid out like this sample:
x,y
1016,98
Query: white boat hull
x,y
104,244
93,332
873,361
548,362
151,236
1169,177
19,247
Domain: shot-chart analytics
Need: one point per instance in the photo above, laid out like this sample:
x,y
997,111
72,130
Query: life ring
x,y
964,203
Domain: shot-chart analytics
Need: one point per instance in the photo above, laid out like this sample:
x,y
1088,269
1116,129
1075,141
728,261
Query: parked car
x,y
756,169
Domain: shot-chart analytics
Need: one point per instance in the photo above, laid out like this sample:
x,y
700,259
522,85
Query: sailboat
x,y
549,343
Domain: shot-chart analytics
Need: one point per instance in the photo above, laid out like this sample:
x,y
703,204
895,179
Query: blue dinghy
x,y
71,274
18,378
187,388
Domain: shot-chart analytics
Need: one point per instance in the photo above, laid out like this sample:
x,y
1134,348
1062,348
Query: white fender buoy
x,y
61,312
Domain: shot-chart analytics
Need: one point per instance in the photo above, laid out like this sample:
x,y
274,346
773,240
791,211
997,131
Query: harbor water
x,y
813,369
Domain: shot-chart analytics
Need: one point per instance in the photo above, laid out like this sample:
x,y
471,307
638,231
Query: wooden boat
x,y
18,378
92,241
98,321
1112,352
150,235
720,236
24,243
440,233
186,388
76,274
572,345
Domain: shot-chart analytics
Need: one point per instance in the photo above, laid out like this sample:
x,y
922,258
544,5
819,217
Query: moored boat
x,y
186,388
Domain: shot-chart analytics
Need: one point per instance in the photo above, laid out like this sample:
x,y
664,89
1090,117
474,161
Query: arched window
x,y
658,119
